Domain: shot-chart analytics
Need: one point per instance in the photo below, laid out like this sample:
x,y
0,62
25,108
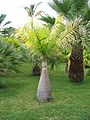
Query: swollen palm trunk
x,y
44,89
76,70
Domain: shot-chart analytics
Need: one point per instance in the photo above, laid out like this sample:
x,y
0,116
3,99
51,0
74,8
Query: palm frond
x,y
78,5
86,37
71,9
36,6
8,22
29,10
70,36
32,9
61,7
2,17
48,19
86,14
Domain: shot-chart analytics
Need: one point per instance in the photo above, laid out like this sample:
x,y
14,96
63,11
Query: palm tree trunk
x,y
44,89
31,21
2,71
76,70
36,71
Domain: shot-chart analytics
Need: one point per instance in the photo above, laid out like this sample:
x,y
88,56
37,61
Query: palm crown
x,y
72,9
31,9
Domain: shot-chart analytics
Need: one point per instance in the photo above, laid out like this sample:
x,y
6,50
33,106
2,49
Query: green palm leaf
x,y
70,36
78,5
2,17
8,22
61,7
49,20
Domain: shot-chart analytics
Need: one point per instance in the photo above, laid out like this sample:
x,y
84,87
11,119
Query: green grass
x,y
18,97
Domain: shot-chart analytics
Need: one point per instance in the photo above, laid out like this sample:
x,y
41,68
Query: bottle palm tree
x,y
42,41
74,9
65,35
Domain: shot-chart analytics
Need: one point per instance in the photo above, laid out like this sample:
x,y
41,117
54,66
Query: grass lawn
x,y
18,98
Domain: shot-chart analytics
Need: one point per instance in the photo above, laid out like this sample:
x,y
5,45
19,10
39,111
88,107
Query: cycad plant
x,y
11,56
72,10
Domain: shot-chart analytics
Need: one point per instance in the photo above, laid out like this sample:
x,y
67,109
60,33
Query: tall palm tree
x,y
74,9
31,10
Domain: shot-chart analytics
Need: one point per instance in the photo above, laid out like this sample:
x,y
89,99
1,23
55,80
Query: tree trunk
x,y
44,89
2,71
36,71
31,21
76,70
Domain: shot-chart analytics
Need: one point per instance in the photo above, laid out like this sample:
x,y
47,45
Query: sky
x,y
16,13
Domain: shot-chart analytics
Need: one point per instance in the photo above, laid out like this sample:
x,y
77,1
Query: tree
x,y
41,46
31,10
47,43
11,55
74,9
